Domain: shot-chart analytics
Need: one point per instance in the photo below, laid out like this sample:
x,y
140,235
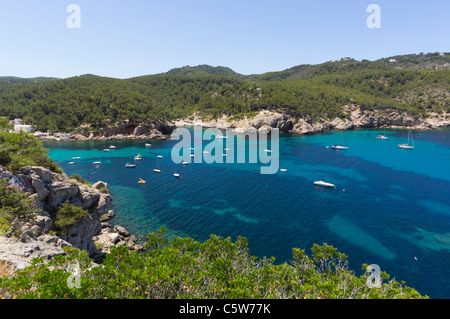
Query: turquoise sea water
x,y
391,206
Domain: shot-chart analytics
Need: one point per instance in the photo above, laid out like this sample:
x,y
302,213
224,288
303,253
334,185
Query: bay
x,y
390,207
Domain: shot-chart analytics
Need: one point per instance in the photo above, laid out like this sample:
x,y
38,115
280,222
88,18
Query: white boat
x,y
130,165
75,158
382,136
340,146
221,136
283,169
408,146
192,155
96,163
324,184
156,170
159,156
71,163
148,145
267,151
176,175
112,147
185,163
226,149
138,157
224,154
106,150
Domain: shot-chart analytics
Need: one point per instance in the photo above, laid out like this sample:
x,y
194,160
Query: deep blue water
x,y
391,206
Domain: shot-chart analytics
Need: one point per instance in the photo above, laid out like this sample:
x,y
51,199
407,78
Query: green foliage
x,y
416,83
21,149
67,216
13,203
80,179
185,268
104,190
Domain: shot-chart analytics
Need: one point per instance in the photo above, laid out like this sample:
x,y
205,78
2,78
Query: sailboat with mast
x,y
408,146
382,136
341,146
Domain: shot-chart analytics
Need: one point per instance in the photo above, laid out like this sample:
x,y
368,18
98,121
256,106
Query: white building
x,y
22,127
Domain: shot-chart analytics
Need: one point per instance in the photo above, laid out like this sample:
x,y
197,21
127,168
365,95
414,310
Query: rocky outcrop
x,y
33,236
18,254
355,117
130,130
126,130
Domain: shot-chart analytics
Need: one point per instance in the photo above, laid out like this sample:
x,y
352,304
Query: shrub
x,y
79,179
67,216
104,190
184,268
13,203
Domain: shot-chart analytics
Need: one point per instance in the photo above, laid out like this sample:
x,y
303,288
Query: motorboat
x,y
97,163
324,184
71,163
76,158
176,175
130,165
156,170
106,150
148,145
112,147
159,156
185,163
283,170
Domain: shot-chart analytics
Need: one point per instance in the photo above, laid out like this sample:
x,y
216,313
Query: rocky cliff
x,y
158,129
36,238
264,121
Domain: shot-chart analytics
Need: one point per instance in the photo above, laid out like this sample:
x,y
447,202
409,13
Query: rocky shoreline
x,y
265,121
36,238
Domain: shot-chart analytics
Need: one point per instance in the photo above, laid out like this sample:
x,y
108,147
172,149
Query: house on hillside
x,y
23,127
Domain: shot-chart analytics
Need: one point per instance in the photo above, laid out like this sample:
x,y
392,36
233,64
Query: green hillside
x,y
417,83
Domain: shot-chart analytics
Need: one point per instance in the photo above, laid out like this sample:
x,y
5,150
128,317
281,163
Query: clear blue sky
x,y
123,39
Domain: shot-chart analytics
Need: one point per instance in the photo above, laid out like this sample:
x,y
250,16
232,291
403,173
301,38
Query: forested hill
x,y
417,83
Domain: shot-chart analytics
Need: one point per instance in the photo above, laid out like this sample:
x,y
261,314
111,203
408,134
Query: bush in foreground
x,y
185,268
